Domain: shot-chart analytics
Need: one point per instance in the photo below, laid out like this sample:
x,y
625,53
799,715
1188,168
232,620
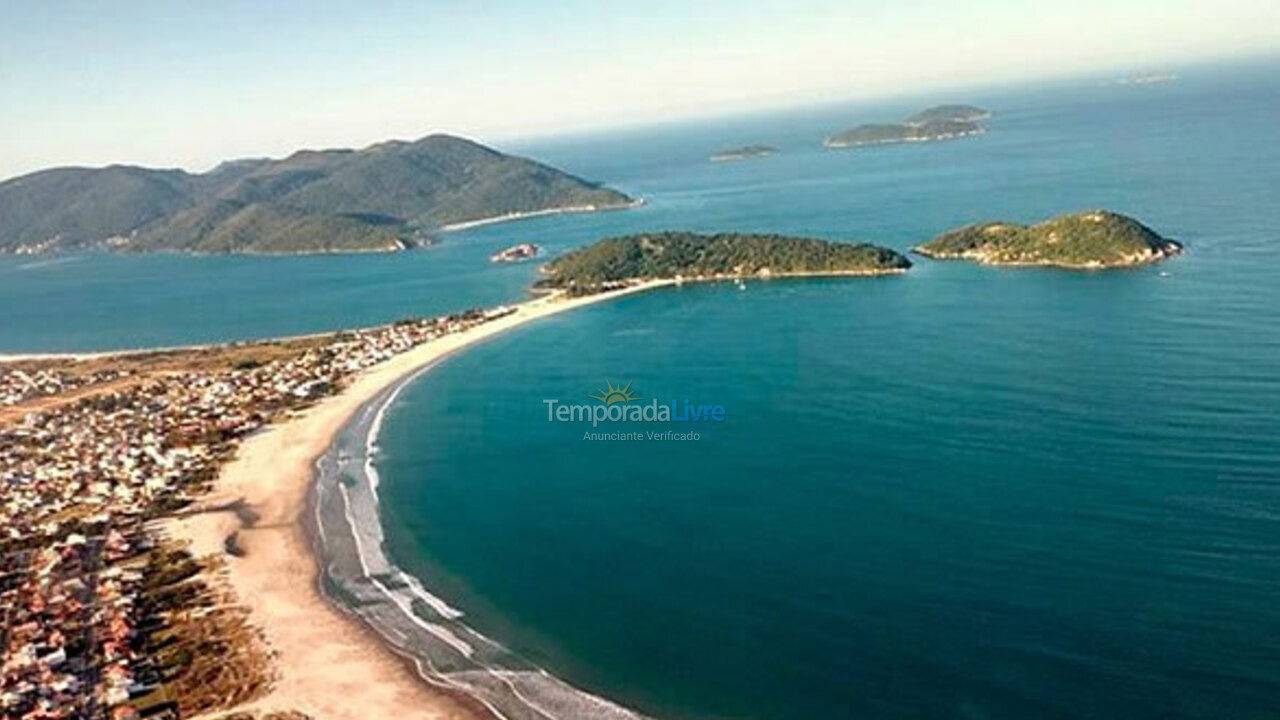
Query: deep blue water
x,y
962,493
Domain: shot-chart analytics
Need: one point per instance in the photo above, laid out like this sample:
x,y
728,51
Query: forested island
x,y
745,152
943,122
615,262
1089,240
388,196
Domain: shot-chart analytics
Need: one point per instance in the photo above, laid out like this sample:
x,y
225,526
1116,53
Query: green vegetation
x,y
952,113
943,122
383,197
743,153
615,261
1093,239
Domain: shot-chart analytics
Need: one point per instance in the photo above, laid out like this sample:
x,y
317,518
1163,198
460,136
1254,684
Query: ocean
x,y
964,492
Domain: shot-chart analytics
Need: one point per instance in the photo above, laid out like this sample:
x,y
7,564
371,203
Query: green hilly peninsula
x,y
384,197
942,122
614,262
1088,240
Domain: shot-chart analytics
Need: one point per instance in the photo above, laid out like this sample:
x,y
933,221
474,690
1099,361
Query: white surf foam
x,y
505,682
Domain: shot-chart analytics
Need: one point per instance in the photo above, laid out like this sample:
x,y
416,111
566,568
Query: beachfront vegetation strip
x,y
384,197
1091,239
100,614
617,261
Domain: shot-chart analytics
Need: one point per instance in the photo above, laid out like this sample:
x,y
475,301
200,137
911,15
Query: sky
x,y
188,84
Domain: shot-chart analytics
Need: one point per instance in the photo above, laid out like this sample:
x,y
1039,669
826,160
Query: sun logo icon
x,y
611,395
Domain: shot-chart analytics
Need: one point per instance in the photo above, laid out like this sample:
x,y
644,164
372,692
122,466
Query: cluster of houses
x,y
80,483
70,614
18,385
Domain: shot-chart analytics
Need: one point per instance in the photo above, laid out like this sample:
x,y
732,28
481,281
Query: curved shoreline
x,y
353,635
343,521
328,663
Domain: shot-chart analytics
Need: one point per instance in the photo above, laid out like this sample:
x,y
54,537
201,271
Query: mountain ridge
x,y
384,197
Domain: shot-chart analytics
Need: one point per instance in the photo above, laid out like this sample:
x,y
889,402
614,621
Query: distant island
x,y
523,251
943,122
1088,240
745,152
389,196
948,113
617,262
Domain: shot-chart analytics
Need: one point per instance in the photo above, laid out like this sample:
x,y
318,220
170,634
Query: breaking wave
x,y
359,577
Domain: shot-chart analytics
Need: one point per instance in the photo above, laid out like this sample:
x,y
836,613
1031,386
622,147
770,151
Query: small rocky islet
x,y
516,253
745,152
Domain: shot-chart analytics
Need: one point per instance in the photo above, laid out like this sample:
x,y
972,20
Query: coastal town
x,y
18,385
105,615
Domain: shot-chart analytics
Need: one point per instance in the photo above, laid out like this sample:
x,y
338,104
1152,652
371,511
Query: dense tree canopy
x,y
671,254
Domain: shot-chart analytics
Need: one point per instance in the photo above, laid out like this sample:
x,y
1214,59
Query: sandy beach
x,y
509,217
329,665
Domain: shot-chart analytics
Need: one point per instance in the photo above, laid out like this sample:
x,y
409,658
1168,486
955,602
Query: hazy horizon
x,y
164,86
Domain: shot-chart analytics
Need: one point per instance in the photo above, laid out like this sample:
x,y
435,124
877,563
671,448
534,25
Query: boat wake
x,y
47,263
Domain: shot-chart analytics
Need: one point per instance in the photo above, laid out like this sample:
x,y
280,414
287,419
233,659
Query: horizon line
x,y
765,106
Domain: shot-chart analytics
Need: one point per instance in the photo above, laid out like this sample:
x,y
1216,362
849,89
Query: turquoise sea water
x,y
962,493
